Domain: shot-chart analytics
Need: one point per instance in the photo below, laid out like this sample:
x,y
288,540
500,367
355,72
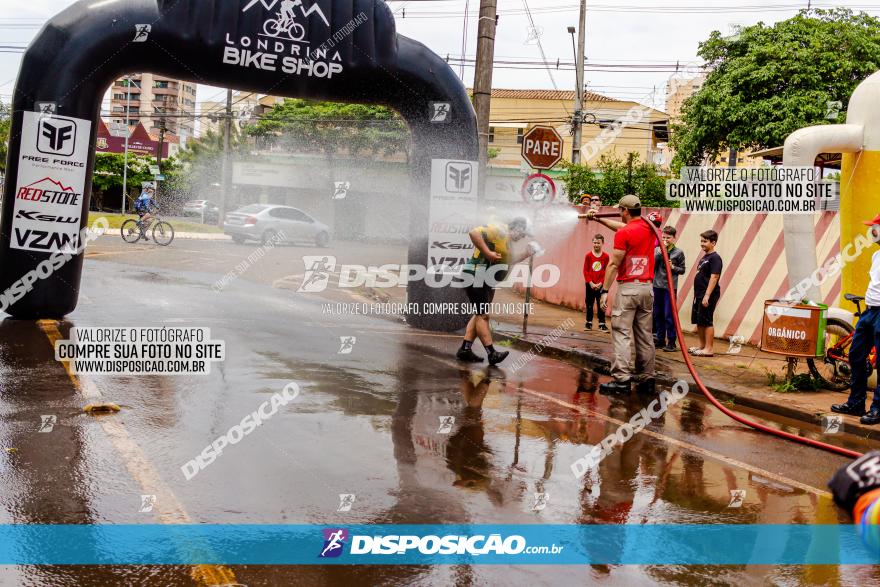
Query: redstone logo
x,y
49,191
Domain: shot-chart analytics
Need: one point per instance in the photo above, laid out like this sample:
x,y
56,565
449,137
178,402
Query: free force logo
x,y
459,177
50,185
57,136
334,542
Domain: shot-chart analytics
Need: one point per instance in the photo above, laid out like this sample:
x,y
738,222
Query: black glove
x,y
855,479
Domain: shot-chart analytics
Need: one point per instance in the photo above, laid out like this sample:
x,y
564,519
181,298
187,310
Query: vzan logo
x,y
57,136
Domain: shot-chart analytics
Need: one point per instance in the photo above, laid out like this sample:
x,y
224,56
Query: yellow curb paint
x,y
169,509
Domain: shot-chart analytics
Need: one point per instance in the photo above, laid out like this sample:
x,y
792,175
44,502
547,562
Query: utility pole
x,y
128,82
483,83
159,154
578,122
227,132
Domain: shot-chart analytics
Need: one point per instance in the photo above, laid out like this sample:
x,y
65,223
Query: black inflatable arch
x,y
347,51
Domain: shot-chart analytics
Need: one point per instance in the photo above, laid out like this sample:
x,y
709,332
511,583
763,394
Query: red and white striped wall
x,y
751,246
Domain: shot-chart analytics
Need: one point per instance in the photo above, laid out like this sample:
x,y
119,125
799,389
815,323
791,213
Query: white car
x,y
267,222
198,207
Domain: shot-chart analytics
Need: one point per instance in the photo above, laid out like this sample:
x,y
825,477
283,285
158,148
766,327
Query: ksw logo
x,y
26,215
57,136
451,246
459,177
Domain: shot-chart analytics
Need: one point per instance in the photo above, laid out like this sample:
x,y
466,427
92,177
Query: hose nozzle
x,y
582,215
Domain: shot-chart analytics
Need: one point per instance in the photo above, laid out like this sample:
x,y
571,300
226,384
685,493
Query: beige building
x,y
612,127
155,100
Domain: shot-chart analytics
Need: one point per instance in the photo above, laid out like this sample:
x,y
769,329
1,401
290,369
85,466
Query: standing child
x,y
706,294
595,263
664,323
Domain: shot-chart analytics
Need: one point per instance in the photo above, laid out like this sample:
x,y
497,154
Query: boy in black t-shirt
x,y
706,294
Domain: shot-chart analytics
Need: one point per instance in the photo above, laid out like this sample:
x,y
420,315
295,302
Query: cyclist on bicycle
x,y
866,336
144,205
287,13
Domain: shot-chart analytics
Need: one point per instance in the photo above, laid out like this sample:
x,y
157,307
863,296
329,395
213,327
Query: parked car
x,y
264,222
198,207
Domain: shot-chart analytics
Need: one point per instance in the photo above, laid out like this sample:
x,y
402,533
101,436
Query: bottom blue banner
x,y
660,544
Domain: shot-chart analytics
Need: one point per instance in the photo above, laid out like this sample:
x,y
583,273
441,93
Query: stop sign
x,y
542,147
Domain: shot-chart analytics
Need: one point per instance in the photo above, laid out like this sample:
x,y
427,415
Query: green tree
x,y
332,128
767,81
614,178
108,176
5,123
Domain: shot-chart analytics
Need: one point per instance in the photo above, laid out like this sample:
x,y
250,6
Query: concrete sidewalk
x,y
739,379
202,236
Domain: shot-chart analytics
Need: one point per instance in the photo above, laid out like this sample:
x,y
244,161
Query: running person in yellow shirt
x,y
492,244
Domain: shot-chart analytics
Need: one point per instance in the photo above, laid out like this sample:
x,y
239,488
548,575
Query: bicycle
x,y
134,230
284,26
833,370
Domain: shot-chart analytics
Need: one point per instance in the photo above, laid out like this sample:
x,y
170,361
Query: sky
x,y
634,44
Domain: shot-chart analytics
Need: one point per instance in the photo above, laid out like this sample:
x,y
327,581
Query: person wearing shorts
x,y
492,244
707,291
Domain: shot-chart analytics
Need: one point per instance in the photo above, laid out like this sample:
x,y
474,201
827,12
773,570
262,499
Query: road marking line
x,y
103,253
669,439
138,465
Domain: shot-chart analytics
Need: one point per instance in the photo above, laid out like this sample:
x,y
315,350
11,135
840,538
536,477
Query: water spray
x,y
705,391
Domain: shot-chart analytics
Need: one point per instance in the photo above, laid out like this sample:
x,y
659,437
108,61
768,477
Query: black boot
x,y
848,409
466,354
646,387
496,357
871,418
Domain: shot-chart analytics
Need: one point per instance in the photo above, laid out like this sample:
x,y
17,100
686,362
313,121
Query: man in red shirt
x,y
632,264
595,264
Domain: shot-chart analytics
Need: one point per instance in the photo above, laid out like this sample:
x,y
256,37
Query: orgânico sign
x,y
542,147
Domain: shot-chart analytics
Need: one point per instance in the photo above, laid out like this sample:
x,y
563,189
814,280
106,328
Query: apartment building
x,y
155,100
246,107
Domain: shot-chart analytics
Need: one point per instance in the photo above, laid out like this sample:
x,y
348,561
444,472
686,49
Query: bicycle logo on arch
x,y
284,25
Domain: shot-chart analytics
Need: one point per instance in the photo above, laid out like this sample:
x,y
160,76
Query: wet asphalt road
x,y
365,423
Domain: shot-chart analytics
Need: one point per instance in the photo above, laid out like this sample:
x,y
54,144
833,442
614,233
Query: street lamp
x,y
127,120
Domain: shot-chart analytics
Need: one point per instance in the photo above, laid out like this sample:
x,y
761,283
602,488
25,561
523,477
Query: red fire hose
x,y
706,392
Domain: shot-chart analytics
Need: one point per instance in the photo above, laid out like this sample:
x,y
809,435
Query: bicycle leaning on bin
x,y
833,369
